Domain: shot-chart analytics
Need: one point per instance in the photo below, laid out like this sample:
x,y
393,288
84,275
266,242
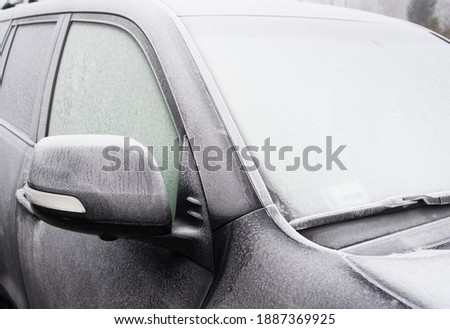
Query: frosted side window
x,y
25,71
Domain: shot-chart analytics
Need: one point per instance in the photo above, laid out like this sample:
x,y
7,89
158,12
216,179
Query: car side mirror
x,y
73,186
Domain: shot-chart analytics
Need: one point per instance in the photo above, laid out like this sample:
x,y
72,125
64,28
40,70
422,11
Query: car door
x,y
25,51
105,83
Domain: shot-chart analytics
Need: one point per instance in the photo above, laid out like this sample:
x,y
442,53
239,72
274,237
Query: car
x,y
137,165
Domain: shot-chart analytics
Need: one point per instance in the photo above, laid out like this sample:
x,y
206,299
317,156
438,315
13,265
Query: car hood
x,y
419,279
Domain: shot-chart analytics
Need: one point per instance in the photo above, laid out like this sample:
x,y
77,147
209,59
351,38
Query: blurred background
x,y
433,14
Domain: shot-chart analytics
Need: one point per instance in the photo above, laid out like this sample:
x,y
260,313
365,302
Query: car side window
x,y
105,85
24,74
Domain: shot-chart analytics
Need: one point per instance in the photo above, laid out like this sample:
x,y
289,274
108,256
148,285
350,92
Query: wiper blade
x,y
396,203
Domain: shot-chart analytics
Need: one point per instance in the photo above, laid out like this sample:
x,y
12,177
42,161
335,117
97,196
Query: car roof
x,y
283,8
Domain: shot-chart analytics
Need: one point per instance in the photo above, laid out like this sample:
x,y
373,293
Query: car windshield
x,y
379,93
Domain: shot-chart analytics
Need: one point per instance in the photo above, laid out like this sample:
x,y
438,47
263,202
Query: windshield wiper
x,y
395,203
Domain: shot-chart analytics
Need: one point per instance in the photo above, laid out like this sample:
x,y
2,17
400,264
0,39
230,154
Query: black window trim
x,y
6,48
16,132
5,36
47,95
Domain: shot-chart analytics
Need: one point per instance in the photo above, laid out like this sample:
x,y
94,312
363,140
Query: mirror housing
x,y
72,185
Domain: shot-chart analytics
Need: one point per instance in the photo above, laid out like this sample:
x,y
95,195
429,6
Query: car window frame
x,y
144,43
5,35
5,48
5,45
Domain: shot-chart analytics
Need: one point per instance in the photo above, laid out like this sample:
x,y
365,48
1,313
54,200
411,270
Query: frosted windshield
x,y
381,90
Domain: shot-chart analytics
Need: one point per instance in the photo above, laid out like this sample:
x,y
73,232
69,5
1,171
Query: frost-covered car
x,y
94,94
